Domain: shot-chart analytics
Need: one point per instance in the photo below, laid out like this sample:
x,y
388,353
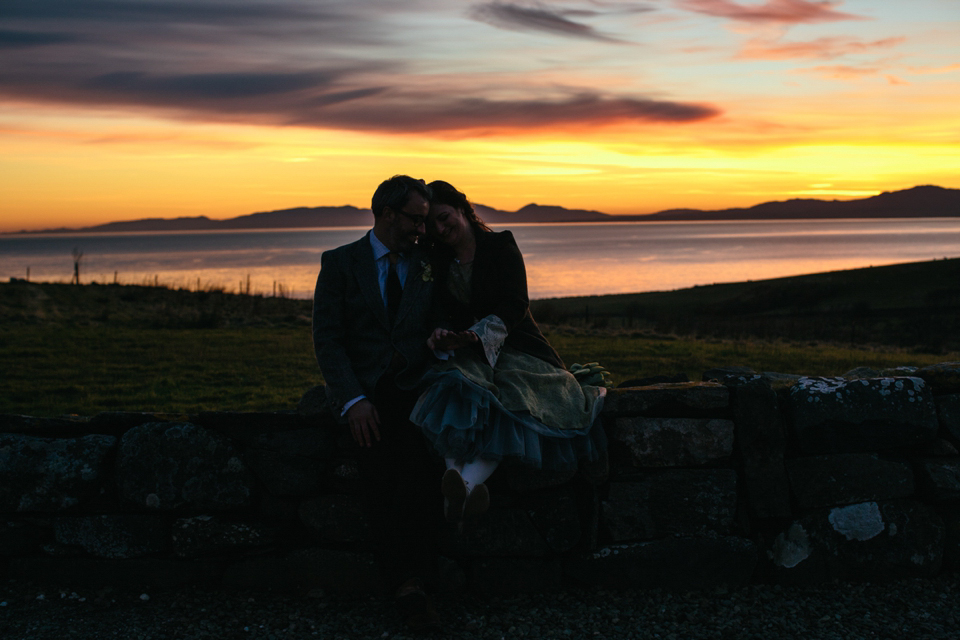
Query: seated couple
x,y
423,333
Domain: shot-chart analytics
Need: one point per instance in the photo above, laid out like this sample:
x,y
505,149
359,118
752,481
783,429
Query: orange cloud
x,y
927,70
777,11
842,71
826,48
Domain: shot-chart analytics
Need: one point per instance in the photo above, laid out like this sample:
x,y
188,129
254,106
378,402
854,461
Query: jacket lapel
x,y
366,273
413,287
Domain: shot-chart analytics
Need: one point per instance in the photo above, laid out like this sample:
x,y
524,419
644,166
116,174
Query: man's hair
x,y
395,192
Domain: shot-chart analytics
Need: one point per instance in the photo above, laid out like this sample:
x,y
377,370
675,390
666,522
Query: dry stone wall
x,y
743,478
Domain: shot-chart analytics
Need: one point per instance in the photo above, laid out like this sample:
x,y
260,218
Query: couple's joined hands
x,y
444,340
363,418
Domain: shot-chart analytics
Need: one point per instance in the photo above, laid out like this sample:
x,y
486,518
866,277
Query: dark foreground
x,y
906,609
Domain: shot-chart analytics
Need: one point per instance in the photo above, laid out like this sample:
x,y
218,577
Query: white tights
x,y
474,472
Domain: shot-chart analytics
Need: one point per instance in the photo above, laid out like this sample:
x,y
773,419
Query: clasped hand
x,y
444,340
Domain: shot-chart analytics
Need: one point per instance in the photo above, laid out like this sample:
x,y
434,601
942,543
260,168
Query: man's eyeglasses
x,y
416,220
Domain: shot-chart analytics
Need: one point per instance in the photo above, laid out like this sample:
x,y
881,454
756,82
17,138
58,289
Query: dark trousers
x,y
401,475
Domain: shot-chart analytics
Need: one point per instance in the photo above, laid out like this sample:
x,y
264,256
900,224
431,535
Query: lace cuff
x,y
492,332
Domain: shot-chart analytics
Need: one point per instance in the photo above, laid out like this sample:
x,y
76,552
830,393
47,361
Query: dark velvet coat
x,y
498,287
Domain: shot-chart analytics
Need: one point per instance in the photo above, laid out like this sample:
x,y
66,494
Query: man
x,y
370,328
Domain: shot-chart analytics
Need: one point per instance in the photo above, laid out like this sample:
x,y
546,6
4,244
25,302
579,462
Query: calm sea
x,y
561,259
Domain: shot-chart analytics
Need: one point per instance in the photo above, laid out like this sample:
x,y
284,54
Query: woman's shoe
x,y
454,491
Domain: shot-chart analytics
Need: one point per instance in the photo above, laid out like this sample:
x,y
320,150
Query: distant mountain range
x,y
917,202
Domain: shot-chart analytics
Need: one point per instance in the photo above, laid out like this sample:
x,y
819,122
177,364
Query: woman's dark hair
x,y
445,193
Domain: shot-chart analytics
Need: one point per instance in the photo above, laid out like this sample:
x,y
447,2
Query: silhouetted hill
x,y
918,202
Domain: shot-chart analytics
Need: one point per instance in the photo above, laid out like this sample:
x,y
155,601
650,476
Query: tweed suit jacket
x,y
353,338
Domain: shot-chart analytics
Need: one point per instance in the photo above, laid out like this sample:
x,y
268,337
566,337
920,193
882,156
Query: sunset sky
x,y
124,109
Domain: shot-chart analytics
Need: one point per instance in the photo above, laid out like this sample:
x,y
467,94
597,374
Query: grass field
x,y
82,350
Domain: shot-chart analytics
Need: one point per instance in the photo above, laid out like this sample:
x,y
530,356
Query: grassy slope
x,y
82,350
910,305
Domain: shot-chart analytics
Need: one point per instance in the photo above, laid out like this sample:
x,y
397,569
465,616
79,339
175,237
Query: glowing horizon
x,y
166,109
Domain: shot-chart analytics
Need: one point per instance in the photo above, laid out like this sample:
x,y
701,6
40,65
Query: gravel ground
x,y
903,610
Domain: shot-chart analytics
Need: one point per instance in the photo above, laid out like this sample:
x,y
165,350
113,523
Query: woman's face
x,y
447,225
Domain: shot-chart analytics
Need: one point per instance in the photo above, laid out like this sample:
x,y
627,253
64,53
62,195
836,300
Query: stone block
x,y
938,447
317,443
251,428
283,474
510,576
283,510
943,377
761,442
50,474
833,415
939,479
114,536
38,427
672,442
257,573
133,573
948,411
675,502
865,541
766,489
847,478
670,563
950,512
683,399
208,535
333,570
538,526
313,402
23,536
335,518
343,475
117,423
518,477
759,430
720,374
169,465
651,380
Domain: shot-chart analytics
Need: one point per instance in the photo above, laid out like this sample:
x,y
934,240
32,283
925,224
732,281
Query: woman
x,y
504,391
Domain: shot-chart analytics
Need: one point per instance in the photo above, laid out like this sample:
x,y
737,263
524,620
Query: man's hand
x,y
444,340
364,423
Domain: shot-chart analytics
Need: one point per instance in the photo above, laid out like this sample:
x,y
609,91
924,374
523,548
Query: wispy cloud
x,y
842,71
515,17
405,113
11,39
775,11
315,64
950,68
826,48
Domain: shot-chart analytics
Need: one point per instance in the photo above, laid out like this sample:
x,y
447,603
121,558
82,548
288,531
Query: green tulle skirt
x,y
524,408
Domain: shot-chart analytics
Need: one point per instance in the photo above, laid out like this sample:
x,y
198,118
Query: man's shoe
x,y
477,502
454,491
416,609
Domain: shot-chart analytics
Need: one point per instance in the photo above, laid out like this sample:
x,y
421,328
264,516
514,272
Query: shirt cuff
x,y
349,404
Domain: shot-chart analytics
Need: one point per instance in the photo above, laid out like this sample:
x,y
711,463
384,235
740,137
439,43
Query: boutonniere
x,y
426,273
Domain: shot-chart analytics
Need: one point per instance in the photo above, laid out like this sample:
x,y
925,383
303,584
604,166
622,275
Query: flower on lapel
x,y
426,273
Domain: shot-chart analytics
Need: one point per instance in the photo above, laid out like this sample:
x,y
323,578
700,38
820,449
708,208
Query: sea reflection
x,y
561,260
